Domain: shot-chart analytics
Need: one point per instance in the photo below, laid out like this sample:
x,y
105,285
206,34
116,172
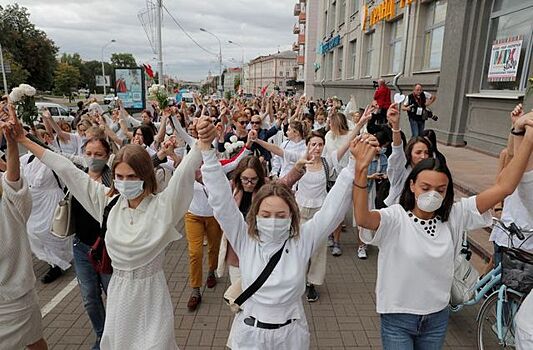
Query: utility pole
x,y
159,41
3,69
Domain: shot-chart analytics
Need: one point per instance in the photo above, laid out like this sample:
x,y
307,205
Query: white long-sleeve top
x,y
280,298
16,269
200,205
397,174
134,236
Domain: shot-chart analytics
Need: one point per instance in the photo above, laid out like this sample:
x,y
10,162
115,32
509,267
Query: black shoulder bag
x,y
98,253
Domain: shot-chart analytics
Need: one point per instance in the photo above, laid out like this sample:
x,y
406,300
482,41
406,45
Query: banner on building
x,y
329,45
505,58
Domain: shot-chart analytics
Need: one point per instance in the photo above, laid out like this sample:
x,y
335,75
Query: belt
x,y
252,321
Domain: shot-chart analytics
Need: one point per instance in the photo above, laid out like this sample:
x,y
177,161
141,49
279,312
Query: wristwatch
x,y
518,133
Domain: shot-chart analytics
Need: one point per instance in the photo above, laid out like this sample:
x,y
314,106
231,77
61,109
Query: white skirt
x,y
20,322
139,312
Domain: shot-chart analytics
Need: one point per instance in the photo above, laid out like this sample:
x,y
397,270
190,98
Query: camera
x,y
375,84
428,114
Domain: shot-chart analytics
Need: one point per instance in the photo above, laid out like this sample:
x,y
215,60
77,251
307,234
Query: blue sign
x,y
330,44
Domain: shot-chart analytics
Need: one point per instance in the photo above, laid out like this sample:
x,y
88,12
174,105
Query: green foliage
x,y
29,48
123,60
18,74
227,95
67,77
237,82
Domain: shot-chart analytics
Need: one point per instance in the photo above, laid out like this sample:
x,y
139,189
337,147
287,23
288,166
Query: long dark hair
x,y
407,198
249,162
411,144
430,135
148,134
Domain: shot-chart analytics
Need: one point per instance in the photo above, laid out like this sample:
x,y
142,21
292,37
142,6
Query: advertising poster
x,y
129,87
504,59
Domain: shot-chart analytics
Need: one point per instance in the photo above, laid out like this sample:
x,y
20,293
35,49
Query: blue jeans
x,y
417,127
414,332
91,285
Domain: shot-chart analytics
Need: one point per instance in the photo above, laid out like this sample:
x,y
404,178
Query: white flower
x,y
233,139
239,144
227,146
16,95
28,90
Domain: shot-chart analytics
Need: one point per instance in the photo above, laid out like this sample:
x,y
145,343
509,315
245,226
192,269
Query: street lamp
x,y
103,67
221,87
242,60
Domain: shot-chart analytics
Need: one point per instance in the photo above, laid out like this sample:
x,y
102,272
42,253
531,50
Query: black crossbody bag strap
x,y
254,287
107,210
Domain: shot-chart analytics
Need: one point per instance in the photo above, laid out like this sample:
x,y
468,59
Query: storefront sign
x,y
504,59
386,10
328,45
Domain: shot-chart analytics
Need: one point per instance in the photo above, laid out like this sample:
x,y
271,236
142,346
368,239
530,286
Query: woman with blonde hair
x,y
140,225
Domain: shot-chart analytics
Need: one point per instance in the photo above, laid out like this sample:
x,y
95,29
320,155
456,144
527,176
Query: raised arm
x,y
510,176
393,116
189,140
274,149
47,118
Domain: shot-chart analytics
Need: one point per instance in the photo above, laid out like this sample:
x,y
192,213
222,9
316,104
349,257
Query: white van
x,y
57,111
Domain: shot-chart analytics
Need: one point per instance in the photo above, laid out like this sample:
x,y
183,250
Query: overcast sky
x,y
260,26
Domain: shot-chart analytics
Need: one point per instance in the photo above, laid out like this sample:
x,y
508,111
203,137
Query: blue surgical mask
x,y
130,189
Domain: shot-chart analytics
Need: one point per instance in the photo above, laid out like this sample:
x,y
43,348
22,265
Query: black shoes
x,y
54,273
311,293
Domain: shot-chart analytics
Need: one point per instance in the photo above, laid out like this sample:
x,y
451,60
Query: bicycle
x,y
495,319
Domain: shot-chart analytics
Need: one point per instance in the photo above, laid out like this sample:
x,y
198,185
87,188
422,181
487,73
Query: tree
x,y
123,60
18,74
237,82
66,78
29,47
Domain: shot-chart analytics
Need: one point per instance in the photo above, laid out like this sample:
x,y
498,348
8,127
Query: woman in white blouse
x,y
418,240
273,317
139,228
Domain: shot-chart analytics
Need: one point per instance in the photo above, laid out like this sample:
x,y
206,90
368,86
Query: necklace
x,y
130,212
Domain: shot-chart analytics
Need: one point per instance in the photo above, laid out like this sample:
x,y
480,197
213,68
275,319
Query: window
x,y
280,73
369,53
353,57
325,27
355,6
342,11
340,53
434,34
512,21
331,20
329,66
395,46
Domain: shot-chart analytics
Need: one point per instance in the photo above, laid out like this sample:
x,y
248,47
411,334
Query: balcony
x,y
296,29
301,17
295,47
301,39
297,9
300,59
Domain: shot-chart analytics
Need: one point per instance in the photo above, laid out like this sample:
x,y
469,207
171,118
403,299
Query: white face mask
x,y
273,230
429,201
130,189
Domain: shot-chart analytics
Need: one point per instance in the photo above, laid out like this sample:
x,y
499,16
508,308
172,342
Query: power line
x,y
188,35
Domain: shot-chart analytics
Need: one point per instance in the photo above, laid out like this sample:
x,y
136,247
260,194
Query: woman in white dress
x,y
139,228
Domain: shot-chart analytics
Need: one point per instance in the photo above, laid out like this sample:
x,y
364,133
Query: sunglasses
x,y
243,122
251,180
255,123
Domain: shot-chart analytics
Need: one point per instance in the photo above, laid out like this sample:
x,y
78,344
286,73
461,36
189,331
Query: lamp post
x,y
3,70
103,66
242,60
220,86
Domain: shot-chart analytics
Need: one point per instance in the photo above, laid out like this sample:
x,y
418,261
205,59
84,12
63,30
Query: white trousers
x,y
524,324
290,337
317,265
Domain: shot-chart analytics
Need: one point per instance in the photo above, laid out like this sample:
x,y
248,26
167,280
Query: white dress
x,y
45,194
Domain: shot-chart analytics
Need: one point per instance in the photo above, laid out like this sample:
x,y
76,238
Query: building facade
x,y
229,76
475,55
273,72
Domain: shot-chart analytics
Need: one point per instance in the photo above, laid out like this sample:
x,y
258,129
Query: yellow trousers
x,y
196,227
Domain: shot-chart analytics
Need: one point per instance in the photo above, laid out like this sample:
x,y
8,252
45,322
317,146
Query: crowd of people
x,y
268,184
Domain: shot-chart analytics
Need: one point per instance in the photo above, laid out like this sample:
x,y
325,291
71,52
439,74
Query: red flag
x,y
264,89
148,69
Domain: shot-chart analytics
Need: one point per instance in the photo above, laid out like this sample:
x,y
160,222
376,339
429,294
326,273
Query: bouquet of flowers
x,y
23,97
234,147
158,93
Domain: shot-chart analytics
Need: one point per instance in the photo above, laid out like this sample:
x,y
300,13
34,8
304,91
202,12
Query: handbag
x,y
235,297
517,269
63,221
465,276
97,254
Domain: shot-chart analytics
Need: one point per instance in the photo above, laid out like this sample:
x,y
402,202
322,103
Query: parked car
x,y
108,99
57,111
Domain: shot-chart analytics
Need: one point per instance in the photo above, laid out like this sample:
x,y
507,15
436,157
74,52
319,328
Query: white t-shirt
x,y
416,259
517,208
427,94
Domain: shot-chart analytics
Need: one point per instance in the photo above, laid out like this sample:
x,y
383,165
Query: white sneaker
x,y
330,241
361,252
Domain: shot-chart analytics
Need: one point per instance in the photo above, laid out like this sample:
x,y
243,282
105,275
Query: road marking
x,y
59,297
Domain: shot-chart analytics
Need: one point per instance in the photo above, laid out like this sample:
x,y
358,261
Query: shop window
x,y
395,46
510,36
434,33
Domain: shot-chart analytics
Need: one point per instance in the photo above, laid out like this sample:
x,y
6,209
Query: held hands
x,y
364,148
517,112
393,116
206,133
9,123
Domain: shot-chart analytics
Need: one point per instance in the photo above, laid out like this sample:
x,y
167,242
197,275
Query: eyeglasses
x,y
250,180
243,122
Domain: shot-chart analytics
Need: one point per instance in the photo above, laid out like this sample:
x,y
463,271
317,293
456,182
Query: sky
x,y
259,26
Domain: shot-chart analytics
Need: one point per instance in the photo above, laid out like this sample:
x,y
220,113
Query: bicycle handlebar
x,y
512,229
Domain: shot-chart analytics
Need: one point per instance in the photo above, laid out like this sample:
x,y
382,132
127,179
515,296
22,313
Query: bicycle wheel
x,y
487,330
